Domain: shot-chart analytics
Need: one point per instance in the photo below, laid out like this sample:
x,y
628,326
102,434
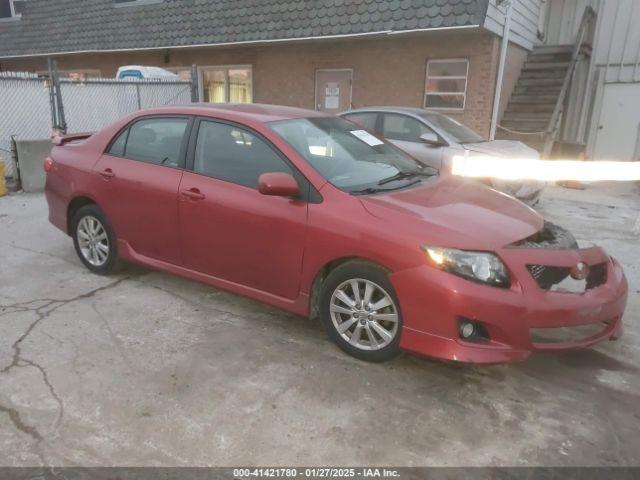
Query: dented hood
x,y
456,213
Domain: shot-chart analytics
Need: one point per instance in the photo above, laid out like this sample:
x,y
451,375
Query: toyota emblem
x,y
580,271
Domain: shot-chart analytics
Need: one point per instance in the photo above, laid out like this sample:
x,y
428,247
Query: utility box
x,y
31,155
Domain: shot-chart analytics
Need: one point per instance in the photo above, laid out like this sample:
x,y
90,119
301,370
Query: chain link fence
x,y
31,106
25,112
92,104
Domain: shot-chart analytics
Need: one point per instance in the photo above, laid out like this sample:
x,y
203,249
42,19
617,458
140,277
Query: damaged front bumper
x,y
434,302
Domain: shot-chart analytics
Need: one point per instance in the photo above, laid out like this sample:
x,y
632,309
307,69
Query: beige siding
x,y
524,21
563,20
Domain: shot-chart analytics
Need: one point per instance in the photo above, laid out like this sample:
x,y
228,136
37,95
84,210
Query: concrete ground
x,y
146,368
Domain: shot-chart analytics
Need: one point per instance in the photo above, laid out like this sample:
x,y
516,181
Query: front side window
x,y
11,8
446,85
154,140
403,128
226,84
235,155
350,158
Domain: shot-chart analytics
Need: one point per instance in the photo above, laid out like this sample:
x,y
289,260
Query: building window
x,y
225,84
232,84
11,8
446,85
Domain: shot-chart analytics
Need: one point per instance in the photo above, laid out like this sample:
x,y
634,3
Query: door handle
x,y
193,194
107,174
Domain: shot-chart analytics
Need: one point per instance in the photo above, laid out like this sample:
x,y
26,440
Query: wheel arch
x,y
324,271
74,205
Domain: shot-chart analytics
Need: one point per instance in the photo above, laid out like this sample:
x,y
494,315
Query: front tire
x,y
94,240
360,311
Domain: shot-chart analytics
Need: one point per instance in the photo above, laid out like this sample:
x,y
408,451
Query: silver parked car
x,y
435,139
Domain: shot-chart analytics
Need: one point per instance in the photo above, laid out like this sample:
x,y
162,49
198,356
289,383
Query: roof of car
x,y
256,111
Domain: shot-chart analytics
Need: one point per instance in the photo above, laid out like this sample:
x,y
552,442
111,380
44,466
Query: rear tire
x,y
361,312
94,240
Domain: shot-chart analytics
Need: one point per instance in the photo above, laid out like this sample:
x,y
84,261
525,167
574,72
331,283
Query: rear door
x,y
140,173
404,132
229,229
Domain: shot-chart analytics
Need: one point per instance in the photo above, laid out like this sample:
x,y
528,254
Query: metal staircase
x,y
535,96
534,112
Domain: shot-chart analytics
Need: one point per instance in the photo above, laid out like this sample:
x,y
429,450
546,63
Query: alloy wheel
x,y
93,240
364,314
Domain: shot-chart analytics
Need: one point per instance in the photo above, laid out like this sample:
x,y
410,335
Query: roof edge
x,y
246,42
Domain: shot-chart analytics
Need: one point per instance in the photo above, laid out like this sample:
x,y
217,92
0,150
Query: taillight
x,y
48,164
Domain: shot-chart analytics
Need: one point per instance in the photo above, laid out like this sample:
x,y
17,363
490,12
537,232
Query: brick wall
x,y
386,71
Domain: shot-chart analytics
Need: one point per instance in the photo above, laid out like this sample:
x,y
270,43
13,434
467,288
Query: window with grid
x,y
446,85
228,84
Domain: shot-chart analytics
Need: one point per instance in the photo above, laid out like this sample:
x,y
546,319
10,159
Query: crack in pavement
x,y
19,424
43,308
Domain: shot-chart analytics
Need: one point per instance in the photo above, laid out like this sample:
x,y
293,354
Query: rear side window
x,y
117,147
365,120
234,155
403,128
153,140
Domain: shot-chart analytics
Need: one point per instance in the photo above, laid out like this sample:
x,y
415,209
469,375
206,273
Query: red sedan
x,y
311,214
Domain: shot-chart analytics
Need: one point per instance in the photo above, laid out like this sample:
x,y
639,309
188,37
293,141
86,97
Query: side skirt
x,y
298,306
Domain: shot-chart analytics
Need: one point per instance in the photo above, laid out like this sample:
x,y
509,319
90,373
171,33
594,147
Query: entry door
x,y
619,127
333,90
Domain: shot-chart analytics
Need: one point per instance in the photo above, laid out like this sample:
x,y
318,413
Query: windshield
x,y
457,131
350,158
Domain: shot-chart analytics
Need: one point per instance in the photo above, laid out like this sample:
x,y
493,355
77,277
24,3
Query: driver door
x,y
404,132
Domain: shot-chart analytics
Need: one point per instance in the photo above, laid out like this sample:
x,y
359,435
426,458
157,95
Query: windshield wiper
x,y
401,175
368,190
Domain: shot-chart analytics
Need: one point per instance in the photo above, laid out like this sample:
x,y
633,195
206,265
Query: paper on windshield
x,y
366,137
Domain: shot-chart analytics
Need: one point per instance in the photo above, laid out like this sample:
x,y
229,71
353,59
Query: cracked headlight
x,y
479,267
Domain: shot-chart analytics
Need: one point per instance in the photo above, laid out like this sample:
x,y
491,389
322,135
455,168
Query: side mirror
x,y
278,184
432,139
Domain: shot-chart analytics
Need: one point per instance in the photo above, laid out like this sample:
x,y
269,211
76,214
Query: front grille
x,y
597,275
548,276
567,334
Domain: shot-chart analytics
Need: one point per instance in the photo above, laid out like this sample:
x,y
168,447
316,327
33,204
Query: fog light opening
x,y
472,331
467,329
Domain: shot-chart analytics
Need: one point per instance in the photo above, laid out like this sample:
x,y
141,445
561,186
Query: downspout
x,y
503,58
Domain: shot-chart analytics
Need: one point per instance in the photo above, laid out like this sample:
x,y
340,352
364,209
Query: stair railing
x,y
588,18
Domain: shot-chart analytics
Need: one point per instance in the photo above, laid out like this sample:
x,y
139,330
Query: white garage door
x,y
618,130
